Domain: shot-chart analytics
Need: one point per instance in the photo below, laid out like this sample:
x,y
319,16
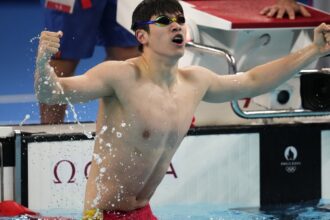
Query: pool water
x,y
320,211
214,212
205,212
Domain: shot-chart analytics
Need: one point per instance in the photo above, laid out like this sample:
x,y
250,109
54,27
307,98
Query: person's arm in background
x,y
283,7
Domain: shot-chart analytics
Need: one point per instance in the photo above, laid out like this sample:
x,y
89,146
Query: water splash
x,y
75,117
72,108
97,159
103,129
61,89
97,199
27,117
34,39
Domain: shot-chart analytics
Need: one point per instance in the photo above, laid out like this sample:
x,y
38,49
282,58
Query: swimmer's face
x,y
167,34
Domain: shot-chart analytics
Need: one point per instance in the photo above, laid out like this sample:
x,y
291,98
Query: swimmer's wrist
x,y
41,61
42,64
317,50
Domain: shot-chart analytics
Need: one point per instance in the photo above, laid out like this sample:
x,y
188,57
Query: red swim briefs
x,y
144,213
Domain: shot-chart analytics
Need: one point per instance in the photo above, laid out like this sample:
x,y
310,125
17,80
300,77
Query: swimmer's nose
x,y
175,27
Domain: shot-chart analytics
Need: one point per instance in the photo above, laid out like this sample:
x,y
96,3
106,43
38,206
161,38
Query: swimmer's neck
x,y
162,70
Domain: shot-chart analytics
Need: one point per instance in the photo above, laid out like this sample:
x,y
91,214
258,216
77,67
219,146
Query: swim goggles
x,y
162,21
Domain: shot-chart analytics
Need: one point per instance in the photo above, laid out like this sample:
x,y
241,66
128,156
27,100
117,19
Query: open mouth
x,y
178,39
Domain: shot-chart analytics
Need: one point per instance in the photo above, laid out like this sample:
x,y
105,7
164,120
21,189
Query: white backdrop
x,y
222,169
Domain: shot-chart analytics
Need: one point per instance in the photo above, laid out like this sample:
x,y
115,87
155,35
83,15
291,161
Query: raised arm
x,y
283,7
268,76
51,89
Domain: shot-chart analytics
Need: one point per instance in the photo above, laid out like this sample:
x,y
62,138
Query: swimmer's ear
x,y
141,36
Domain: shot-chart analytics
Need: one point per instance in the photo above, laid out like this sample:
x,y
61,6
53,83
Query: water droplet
x,y
97,158
27,117
119,135
34,38
103,129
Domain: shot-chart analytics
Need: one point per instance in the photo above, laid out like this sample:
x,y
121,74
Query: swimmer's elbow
x,y
47,97
48,94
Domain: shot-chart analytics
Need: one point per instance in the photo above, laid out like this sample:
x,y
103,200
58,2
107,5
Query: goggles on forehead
x,y
163,21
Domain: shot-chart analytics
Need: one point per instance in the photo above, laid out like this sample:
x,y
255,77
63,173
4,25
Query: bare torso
x,y
138,132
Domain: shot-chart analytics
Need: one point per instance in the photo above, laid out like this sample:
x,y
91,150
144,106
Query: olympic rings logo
x,y
290,169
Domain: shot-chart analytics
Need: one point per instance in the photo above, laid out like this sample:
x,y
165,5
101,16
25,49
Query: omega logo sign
x,y
70,167
69,164
291,163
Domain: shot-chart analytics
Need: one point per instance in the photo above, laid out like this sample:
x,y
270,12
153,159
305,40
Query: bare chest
x,y
160,117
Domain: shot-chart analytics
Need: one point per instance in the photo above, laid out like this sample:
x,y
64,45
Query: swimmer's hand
x,y
322,38
49,44
283,7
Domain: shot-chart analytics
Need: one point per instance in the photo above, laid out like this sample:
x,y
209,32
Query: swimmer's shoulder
x,y
129,63
193,69
120,69
194,72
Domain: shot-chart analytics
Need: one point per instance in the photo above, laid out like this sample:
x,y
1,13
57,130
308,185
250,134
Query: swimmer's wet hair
x,y
148,8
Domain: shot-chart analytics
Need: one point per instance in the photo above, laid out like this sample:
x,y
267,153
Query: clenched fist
x,y
49,45
322,38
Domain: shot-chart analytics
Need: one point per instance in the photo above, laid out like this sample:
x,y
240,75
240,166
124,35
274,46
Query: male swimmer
x,y
147,103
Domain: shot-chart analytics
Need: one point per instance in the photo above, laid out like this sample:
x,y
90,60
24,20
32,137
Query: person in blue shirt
x,y
90,23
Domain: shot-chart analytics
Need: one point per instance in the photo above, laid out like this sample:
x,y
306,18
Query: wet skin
x,y
145,125
147,104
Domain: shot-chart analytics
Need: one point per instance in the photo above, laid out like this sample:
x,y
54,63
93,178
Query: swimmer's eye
x,y
162,21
